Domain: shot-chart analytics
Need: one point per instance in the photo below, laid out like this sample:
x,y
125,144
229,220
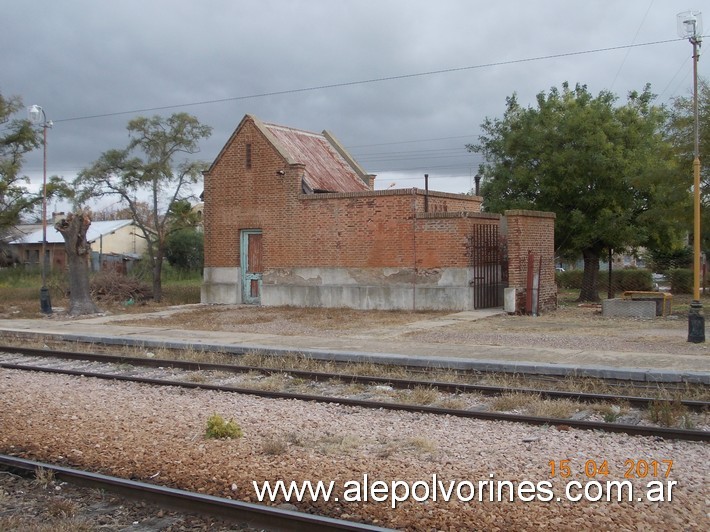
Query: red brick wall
x,y
532,231
360,229
443,238
238,198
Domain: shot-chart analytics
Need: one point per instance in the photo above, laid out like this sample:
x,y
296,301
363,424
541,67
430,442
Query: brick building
x,y
291,219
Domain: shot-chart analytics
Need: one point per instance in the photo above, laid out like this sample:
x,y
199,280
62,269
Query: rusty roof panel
x,y
326,169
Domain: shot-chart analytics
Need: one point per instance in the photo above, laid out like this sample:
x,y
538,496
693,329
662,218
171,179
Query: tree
x,y
681,132
73,228
147,167
17,137
606,171
186,249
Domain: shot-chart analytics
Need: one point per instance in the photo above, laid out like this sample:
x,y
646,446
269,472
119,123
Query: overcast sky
x,y
404,84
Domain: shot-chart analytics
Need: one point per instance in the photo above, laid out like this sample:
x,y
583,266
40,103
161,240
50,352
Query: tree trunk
x,y
157,281
73,228
590,290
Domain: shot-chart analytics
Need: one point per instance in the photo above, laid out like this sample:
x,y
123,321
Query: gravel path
x,y
156,434
568,327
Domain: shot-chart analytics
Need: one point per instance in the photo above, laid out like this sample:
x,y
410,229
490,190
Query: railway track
x,y
663,432
398,383
255,515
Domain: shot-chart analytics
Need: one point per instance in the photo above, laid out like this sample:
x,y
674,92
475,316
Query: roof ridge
x,y
298,130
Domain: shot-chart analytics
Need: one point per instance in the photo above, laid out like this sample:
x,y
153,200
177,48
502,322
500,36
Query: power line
x,y
626,56
373,80
410,141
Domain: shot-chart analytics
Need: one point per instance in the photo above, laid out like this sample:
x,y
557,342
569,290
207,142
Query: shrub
x,y
185,249
181,294
570,280
630,279
217,427
681,281
621,280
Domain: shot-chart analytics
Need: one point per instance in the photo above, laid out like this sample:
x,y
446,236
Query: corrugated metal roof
x,y
326,169
96,230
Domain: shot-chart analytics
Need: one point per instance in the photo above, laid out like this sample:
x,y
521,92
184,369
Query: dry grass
x,y
197,377
420,395
62,508
43,477
289,320
274,446
40,524
534,405
454,402
420,445
337,443
554,408
417,445
670,414
510,401
610,412
273,383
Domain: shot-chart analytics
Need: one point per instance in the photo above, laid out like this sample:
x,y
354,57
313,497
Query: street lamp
x,y
690,27
38,116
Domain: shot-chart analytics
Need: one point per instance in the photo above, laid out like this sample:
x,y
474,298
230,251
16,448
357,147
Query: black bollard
x,y
696,323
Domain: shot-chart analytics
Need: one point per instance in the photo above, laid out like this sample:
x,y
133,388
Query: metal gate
x,y
489,266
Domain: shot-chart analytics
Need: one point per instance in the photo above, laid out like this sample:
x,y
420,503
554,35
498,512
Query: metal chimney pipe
x,y
426,192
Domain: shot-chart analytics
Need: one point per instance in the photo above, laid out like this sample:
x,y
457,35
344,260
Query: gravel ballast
x,y
157,435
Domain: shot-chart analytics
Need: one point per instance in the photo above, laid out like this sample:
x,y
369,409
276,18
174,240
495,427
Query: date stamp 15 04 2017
x,y
595,468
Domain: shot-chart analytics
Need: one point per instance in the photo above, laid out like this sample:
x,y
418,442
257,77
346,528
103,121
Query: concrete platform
x,y
651,367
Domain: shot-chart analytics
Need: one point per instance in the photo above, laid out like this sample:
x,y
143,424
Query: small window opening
x,y
248,156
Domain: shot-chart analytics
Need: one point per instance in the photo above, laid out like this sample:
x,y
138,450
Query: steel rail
x,y
448,387
663,432
257,515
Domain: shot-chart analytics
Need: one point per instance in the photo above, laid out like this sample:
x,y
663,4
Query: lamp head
x,y
35,113
690,24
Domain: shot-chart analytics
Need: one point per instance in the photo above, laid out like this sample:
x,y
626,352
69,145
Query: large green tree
x,y
148,168
681,131
604,169
17,137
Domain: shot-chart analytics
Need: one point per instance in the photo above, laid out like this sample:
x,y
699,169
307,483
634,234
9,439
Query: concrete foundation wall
x,y
628,308
221,286
369,288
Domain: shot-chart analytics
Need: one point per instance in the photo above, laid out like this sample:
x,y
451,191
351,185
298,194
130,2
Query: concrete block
x,y
509,300
221,286
628,308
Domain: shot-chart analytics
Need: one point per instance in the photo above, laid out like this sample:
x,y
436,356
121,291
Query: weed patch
x,y
218,428
43,477
510,401
274,446
668,413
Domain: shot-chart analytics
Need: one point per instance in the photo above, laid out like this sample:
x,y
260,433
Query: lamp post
x,y
690,27
38,116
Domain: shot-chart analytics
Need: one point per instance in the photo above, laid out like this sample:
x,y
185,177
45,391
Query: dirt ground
x,y
570,326
51,505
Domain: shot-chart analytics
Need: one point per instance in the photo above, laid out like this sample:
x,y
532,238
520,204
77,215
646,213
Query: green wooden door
x,y
251,250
